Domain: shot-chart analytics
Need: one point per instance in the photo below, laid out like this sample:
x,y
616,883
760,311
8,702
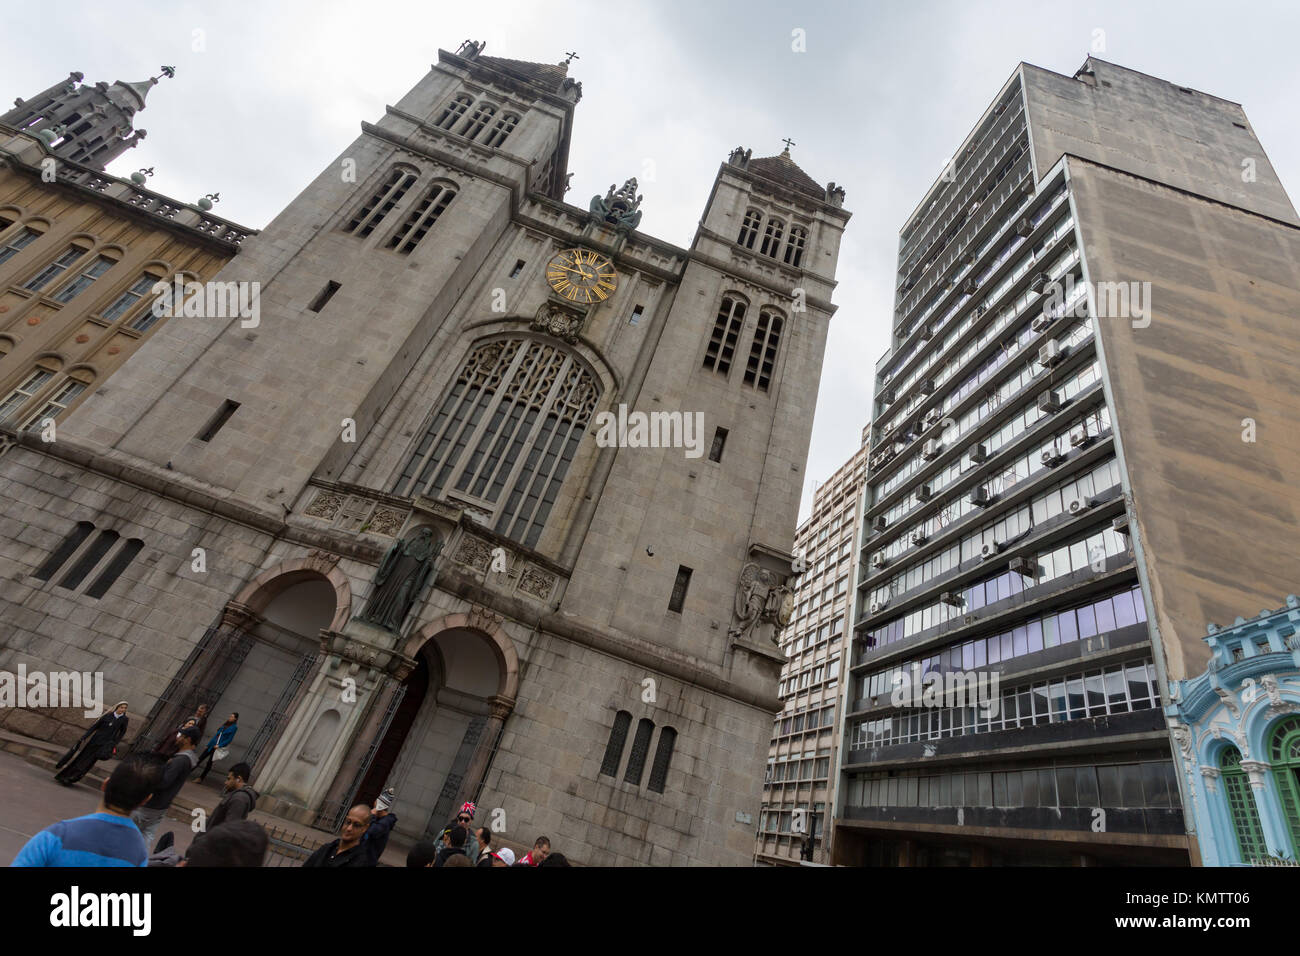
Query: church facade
x,y
378,522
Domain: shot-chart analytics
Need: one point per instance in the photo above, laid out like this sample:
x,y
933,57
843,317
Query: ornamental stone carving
x,y
558,322
325,505
473,553
1211,775
386,521
481,619
763,604
621,209
322,561
537,583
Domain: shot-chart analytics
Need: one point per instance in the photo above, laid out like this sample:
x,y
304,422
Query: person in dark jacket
x,y
347,850
150,815
382,821
96,744
199,720
222,738
238,799
453,844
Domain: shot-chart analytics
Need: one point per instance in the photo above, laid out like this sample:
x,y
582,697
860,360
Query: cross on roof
x,y
788,143
571,56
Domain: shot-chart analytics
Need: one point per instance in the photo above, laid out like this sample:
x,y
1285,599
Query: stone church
x,y
377,524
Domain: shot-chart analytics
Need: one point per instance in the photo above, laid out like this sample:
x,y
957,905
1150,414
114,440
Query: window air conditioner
x,y
1051,457
1050,353
930,450
989,550
1024,227
1049,402
1079,505
1079,436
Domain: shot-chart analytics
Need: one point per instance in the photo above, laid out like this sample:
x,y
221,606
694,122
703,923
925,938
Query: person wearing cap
x,y
199,720
148,816
382,821
97,743
465,818
503,857
454,841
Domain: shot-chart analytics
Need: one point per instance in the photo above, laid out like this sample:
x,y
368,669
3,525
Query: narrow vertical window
x,y
635,317
640,747
504,126
519,267
1241,807
125,555
663,757
54,269
86,563
220,419
772,238
422,218
617,740
679,589
749,228
20,395
129,299
82,282
726,333
483,114
324,296
381,203
454,111
762,353
719,442
794,246
55,405
65,550
17,243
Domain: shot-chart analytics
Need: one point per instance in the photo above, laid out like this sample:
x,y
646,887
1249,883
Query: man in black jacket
x,y
150,815
454,841
238,799
347,850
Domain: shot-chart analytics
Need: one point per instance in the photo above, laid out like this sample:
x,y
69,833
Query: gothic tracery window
x,y
726,332
772,238
422,217
762,353
504,126
505,434
749,228
794,246
454,111
400,179
483,114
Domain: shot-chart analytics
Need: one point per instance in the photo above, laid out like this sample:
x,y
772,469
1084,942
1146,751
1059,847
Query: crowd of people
x,y
135,799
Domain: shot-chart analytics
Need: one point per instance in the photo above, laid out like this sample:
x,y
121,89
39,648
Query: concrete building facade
x,y
1081,439
798,785
383,525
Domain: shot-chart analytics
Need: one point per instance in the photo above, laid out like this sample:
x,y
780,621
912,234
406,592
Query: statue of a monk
x,y
401,578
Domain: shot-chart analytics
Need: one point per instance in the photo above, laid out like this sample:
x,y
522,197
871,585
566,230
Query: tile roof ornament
x,y
619,209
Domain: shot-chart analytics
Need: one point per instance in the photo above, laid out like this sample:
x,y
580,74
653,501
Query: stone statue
x,y
401,578
619,209
761,600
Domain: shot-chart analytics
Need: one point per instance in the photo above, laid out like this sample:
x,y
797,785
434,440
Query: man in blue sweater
x,y
107,837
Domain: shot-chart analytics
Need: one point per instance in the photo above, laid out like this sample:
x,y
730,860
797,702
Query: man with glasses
x,y
465,818
347,850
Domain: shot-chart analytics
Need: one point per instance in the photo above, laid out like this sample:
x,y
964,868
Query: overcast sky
x,y
267,93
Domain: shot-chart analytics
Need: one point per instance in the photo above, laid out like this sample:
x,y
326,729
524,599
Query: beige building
x,y
799,783
80,249
383,525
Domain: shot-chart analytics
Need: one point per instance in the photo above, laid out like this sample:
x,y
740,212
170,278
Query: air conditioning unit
x,y
878,560
932,418
1040,323
1120,524
930,449
927,334
1079,505
978,454
923,493
989,550
1024,227
1050,353
927,386
878,606
979,496
1051,457
952,598
1024,566
887,397
1079,436
1039,282
1049,402
879,523
919,537
970,286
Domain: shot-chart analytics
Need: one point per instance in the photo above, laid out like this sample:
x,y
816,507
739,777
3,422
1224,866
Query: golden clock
x,y
581,275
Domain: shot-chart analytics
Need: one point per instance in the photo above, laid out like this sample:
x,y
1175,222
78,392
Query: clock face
x,y
581,276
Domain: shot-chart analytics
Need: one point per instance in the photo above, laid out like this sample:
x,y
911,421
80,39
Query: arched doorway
x,y
1284,756
439,745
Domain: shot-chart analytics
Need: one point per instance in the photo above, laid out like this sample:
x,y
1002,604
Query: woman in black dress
x,y
97,743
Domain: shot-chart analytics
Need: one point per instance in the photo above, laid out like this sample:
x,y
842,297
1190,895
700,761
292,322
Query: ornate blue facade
x,y
1237,731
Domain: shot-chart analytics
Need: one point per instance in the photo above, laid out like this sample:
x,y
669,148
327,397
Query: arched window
x,y
772,238
617,740
92,556
55,269
130,298
125,555
86,278
454,111
28,387
58,402
65,550
381,203
726,333
505,434
749,228
762,353
1241,806
794,246
483,114
15,243
1284,755
505,125
422,217
663,757
640,747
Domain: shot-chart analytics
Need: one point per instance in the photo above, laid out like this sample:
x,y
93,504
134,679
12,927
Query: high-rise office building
x,y
798,785
1082,450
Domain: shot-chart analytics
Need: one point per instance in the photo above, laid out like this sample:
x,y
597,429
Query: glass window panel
x,y
985,790
1050,636
1020,641
1109,788
1096,691
1000,789
1039,694
1115,692
1124,613
1085,785
1087,621
1138,689
1155,786
1075,692
1065,783
1046,788
1029,788
1035,636
1015,796
1007,645
1138,605
1067,627
1105,611
1057,694
945,790
958,796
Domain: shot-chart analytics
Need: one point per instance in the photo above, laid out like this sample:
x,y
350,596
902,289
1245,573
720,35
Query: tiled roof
x,y
548,75
783,169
